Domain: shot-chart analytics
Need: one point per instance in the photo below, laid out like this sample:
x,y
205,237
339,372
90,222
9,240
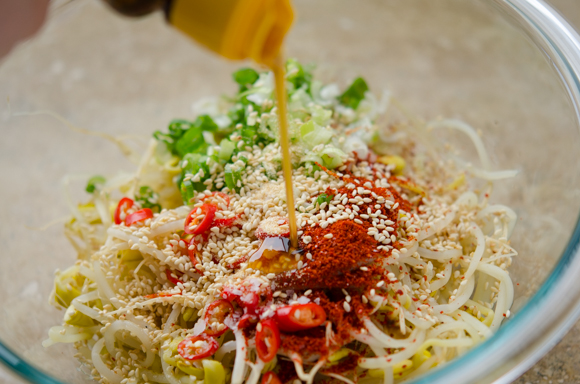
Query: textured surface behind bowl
x,y
449,58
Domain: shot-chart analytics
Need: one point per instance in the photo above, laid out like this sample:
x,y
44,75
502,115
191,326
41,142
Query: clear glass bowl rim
x,y
550,313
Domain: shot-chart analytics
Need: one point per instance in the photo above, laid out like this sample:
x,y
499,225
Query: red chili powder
x,y
335,262
285,371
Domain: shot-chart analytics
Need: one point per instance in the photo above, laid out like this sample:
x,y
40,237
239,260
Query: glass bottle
x,y
235,29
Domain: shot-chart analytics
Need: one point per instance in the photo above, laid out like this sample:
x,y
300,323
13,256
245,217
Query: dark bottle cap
x,y
137,7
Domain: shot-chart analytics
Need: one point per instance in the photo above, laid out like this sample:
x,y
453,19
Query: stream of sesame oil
x,y
281,254
279,77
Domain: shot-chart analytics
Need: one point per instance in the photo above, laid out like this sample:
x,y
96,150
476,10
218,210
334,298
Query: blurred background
x,y
561,365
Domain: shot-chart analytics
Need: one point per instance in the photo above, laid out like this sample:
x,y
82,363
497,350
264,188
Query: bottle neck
x,y
136,7
167,9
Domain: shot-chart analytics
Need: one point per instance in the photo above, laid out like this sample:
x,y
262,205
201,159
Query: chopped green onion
x,y
93,182
332,157
192,164
232,177
311,167
237,114
206,123
148,198
354,94
244,77
185,136
320,116
249,135
226,151
313,134
177,127
297,76
192,141
324,198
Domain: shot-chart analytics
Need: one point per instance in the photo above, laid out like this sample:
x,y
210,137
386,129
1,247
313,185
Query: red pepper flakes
x,y
285,371
335,262
307,343
343,322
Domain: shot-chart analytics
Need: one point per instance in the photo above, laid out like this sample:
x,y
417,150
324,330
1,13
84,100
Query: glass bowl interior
x,y
93,70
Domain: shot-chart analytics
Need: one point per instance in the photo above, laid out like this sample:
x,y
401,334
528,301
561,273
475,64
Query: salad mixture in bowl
x,y
185,271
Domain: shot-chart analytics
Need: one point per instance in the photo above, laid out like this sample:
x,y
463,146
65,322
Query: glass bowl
x,y
508,67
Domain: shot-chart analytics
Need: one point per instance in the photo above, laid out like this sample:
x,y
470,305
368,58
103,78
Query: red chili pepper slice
x,y
226,223
124,205
192,252
197,347
267,340
249,301
229,295
224,196
271,378
202,224
248,320
217,312
140,215
171,278
292,318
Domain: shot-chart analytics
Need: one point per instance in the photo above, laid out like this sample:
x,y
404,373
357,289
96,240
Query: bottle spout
x,y
235,29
